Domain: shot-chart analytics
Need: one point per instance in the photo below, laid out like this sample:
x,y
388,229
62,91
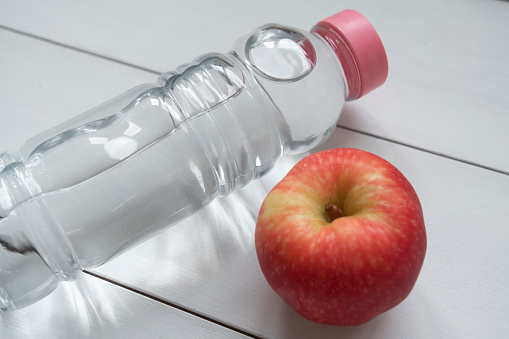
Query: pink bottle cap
x,y
358,47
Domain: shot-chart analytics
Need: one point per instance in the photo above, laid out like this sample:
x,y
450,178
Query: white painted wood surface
x,y
446,93
448,58
93,308
463,290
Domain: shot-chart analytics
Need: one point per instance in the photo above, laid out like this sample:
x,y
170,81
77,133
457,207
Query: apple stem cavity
x,y
333,212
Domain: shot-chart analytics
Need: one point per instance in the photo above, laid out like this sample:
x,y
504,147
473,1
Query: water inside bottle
x,y
115,181
281,54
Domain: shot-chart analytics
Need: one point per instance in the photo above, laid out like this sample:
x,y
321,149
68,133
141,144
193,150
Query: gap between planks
x,y
167,303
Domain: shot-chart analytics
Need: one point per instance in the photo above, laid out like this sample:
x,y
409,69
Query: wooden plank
x,y
448,71
93,308
208,262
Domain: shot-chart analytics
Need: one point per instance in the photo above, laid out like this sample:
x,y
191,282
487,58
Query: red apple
x,y
341,238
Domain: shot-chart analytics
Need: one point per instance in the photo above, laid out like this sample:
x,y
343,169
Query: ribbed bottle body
x,y
129,171
91,188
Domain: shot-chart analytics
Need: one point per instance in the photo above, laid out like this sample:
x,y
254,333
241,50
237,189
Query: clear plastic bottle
x,y
91,188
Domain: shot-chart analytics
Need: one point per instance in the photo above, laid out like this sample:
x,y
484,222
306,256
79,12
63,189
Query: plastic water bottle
x,y
89,189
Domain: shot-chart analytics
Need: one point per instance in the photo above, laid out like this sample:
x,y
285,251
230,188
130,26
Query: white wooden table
x,y
442,118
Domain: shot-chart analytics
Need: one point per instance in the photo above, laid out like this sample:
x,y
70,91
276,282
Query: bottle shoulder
x,y
302,76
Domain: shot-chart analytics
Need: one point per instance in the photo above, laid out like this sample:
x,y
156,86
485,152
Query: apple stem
x,y
332,212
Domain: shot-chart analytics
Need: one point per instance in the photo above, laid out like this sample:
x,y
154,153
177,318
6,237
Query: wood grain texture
x,y
93,308
208,262
448,73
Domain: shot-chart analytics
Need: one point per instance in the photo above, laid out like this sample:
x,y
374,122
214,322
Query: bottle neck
x,y
346,57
